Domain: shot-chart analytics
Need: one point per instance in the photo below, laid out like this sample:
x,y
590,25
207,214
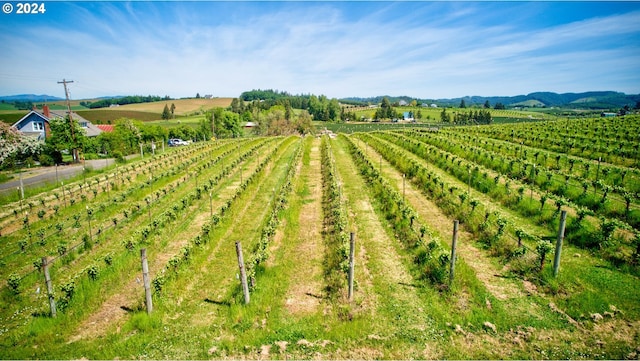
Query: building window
x,y
38,126
83,124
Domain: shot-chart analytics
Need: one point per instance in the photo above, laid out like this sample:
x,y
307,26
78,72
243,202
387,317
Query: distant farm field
x,y
429,114
142,111
510,195
183,106
109,115
153,111
11,116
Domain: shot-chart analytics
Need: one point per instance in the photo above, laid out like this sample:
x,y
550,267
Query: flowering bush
x,y
15,146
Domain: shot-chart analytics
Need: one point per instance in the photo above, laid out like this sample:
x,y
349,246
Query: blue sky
x,y
340,49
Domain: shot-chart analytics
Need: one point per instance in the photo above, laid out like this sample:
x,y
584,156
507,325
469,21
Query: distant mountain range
x,y
29,98
586,100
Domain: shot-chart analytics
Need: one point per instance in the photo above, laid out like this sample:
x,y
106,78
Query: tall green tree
x,y
124,139
287,110
66,135
463,104
166,113
444,116
204,129
386,110
237,105
226,123
333,110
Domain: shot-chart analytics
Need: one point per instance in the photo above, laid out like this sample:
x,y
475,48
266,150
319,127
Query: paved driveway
x,y
42,175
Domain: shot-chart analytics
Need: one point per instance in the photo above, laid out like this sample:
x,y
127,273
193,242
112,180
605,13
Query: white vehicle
x,y
177,142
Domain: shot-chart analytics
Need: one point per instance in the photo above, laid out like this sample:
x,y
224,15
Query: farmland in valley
x,y
293,203
141,111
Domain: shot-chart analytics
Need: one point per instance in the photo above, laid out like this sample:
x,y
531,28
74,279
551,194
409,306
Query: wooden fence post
x,y
243,273
352,251
453,252
64,195
146,281
556,259
47,279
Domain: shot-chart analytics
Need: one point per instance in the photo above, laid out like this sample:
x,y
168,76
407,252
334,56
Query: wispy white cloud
x,y
339,49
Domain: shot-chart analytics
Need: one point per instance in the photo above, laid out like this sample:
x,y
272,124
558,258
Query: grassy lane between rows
x,y
400,324
113,279
584,290
191,314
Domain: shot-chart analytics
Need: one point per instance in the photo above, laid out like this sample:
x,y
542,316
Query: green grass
x,y
6,106
192,121
395,314
109,115
349,128
10,117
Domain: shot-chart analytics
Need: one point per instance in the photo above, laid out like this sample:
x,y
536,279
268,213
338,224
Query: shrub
x,y
69,289
46,160
62,248
543,248
118,156
158,282
14,283
108,259
88,244
92,272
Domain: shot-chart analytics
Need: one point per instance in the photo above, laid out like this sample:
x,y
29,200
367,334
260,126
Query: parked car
x,y
177,142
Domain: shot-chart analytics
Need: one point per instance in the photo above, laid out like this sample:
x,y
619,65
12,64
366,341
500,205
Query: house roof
x,y
60,114
90,129
108,128
28,116
21,125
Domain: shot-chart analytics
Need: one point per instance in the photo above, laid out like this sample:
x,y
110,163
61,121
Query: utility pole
x,y
73,136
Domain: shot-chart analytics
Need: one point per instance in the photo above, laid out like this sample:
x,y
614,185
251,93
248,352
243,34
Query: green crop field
x,y
294,204
429,114
109,115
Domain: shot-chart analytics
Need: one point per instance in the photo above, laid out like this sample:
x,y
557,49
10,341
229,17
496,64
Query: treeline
x,y
268,98
133,99
20,104
378,99
319,107
466,118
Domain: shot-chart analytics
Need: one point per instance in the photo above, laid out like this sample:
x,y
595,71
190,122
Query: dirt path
x,y
305,290
129,297
388,275
220,265
430,214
